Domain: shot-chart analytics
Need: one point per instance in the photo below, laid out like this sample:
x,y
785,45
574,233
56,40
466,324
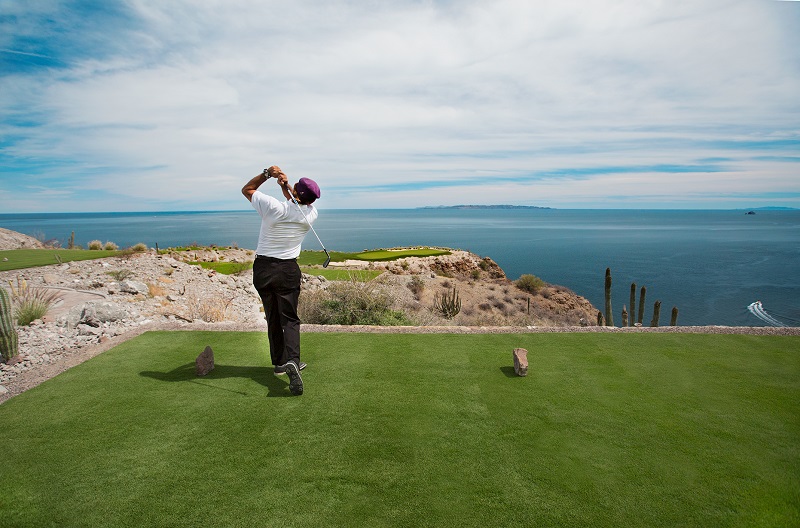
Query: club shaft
x,y
306,219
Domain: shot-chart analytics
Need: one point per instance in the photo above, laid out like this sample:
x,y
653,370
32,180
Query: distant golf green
x,y
394,254
309,257
413,430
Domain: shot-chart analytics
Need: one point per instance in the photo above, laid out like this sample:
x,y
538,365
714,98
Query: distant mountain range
x,y
483,207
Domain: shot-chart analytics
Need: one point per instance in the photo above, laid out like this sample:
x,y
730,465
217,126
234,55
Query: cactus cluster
x,y
9,339
448,305
631,318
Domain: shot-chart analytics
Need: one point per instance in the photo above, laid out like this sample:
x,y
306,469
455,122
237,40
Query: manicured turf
x,y
413,430
309,258
29,258
385,255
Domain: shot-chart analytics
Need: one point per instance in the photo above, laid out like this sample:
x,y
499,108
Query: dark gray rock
x,y
204,362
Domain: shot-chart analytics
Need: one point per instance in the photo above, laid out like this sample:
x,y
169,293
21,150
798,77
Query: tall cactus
x,y
656,314
9,339
641,304
624,316
632,318
674,320
609,314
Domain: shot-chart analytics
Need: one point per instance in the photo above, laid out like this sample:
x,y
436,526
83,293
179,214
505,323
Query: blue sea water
x,y
710,264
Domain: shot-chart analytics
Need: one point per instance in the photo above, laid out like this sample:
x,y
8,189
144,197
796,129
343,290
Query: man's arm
x,y
251,186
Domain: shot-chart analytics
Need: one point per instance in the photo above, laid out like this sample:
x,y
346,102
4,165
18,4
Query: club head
x,y
327,260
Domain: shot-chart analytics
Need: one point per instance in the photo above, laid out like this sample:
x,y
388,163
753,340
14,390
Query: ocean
x,y
711,265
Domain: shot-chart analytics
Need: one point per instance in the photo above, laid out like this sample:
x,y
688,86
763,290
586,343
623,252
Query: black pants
x,y
278,283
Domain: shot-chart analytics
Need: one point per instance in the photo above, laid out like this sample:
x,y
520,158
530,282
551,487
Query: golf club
x,y
291,196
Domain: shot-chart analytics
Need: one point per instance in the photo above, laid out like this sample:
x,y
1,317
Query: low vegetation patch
x,y
29,258
350,302
31,303
530,283
342,274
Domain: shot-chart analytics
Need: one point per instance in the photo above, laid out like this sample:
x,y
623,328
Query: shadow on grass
x,y
509,372
262,375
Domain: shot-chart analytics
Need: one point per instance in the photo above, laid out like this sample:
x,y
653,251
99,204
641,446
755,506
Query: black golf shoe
x,y
295,381
279,370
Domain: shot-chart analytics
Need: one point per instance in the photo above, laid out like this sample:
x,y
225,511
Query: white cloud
x,y
200,96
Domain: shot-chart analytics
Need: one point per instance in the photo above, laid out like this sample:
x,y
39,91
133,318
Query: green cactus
x,y
9,339
641,304
609,314
448,305
674,320
656,314
633,305
624,316
600,320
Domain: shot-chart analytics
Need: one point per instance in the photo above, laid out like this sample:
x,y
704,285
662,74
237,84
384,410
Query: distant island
x,y
773,208
483,207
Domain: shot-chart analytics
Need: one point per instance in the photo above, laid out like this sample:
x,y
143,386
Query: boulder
x,y
130,286
89,316
104,312
520,362
86,330
204,362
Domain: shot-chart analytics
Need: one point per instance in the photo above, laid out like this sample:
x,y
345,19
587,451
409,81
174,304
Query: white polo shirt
x,y
282,226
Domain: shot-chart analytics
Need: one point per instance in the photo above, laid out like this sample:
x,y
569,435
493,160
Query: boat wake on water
x,y
758,310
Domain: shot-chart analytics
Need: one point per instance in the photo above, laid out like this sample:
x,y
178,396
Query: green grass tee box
x,y
413,430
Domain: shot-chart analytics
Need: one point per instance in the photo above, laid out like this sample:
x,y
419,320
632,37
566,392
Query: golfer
x,y
276,274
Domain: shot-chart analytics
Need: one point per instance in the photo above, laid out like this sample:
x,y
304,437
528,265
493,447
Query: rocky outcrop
x,y
13,240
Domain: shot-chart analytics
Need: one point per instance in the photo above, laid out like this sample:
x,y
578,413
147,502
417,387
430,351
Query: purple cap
x,y
307,190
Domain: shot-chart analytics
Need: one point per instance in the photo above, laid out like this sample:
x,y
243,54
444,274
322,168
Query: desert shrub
x,y
530,283
209,309
110,246
350,303
121,274
485,307
476,274
141,247
416,285
31,303
95,245
484,265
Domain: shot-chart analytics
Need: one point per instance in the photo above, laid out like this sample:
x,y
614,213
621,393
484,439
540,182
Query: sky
x,y
169,105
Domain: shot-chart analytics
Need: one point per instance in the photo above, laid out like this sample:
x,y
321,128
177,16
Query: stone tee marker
x,y
520,362
204,362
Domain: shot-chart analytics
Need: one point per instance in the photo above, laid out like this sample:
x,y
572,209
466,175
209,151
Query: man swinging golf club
x,y
276,275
